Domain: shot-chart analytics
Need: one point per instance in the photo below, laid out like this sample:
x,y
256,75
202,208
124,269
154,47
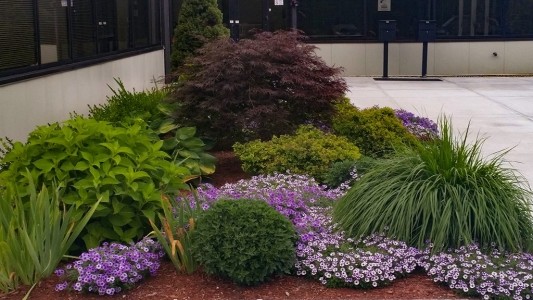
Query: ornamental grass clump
x,y
444,192
111,268
244,240
493,276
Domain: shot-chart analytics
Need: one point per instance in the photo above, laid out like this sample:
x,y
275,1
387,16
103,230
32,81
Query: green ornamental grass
x,y
444,192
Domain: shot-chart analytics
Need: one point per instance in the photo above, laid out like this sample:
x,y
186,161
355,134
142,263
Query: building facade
x,y
57,56
472,36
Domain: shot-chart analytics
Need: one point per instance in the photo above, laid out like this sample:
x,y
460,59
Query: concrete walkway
x,y
498,108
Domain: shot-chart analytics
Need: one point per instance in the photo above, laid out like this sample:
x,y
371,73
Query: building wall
x,y
41,100
444,58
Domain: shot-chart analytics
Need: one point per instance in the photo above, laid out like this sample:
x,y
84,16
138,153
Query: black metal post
x,y
385,59
294,15
424,59
233,10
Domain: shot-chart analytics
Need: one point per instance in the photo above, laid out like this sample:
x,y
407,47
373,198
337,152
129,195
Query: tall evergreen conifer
x,y
199,21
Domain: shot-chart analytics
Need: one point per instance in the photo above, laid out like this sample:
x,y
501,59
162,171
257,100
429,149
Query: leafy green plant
x,y
124,166
179,222
444,192
340,172
376,131
6,144
35,236
244,240
199,21
309,151
256,88
124,107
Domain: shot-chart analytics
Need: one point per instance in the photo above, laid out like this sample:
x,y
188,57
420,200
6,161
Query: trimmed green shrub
x,y
244,240
444,192
199,21
376,131
124,166
340,172
309,151
256,88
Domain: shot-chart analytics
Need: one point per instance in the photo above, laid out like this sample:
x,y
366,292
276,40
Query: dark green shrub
x,y
376,131
124,166
244,240
309,151
340,172
444,192
199,21
257,88
124,107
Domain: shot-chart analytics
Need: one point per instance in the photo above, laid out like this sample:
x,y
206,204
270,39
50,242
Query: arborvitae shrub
x,y
309,151
199,21
256,88
244,240
376,131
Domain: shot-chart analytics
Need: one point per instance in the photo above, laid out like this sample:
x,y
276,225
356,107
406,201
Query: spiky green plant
x,y
444,192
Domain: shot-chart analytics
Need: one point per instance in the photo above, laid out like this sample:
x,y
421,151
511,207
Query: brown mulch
x,y
168,284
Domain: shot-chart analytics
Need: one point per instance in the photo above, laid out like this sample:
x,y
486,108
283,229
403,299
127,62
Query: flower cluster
x,y
289,194
335,260
469,270
111,268
422,128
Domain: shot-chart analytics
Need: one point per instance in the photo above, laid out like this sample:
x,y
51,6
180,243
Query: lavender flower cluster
x,y
335,260
289,194
111,268
422,128
498,275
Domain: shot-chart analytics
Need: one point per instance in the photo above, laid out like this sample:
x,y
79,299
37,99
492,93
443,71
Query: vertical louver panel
x,y
53,29
83,29
17,34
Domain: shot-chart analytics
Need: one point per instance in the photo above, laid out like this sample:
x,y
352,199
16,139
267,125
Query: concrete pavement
x,y
498,108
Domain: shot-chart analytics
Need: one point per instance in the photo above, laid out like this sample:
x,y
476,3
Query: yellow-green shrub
x,y
376,131
309,151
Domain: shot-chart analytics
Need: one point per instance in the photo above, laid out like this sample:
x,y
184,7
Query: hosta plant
x,y
444,192
244,240
34,236
124,166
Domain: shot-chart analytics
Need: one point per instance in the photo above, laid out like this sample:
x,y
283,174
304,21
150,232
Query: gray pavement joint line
x,y
496,101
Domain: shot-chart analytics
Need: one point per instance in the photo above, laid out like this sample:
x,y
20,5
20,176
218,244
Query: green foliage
x,y
445,193
199,21
244,240
124,107
191,150
256,88
376,131
34,237
6,144
340,172
179,223
309,151
124,166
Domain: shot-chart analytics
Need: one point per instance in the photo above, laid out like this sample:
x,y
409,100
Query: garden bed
x,y
168,284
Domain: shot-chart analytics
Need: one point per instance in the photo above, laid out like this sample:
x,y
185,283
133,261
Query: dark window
x,y
17,34
35,33
455,19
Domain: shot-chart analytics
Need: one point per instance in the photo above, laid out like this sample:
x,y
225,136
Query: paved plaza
x,y
498,108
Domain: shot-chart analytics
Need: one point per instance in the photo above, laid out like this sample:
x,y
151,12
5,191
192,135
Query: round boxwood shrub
x,y
309,151
444,192
376,131
244,240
